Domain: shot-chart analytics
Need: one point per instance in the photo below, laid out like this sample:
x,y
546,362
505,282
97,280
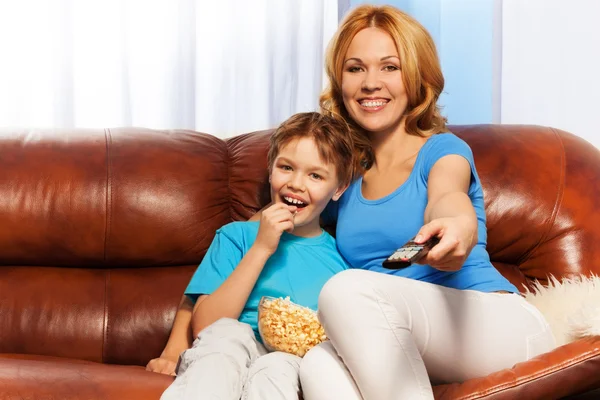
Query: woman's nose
x,y
371,81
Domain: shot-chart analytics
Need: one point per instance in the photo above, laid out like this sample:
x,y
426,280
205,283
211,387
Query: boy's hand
x,y
273,221
162,365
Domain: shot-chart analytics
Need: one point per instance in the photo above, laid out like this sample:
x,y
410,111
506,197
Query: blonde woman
x,y
454,316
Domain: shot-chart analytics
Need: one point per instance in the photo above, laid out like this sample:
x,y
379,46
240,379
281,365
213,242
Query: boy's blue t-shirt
x,y
298,269
368,231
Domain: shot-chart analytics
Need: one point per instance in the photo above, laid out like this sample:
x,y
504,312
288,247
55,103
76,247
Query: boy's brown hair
x,y
332,136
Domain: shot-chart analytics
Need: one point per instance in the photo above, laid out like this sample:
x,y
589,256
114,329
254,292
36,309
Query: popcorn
x,y
286,326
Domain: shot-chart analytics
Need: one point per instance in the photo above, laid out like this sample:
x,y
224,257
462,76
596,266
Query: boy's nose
x,y
296,183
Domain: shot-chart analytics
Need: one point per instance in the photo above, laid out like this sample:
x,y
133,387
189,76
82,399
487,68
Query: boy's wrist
x,y
171,355
262,252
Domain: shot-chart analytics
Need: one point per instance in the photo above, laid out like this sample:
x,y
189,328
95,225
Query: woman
x,y
452,318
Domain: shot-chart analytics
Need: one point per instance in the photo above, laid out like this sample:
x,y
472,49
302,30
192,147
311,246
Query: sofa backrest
x,y
100,230
541,188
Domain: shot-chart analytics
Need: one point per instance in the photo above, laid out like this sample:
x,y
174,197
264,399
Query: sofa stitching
x,y
105,319
229,190
557,201
107,313
546,371
108,205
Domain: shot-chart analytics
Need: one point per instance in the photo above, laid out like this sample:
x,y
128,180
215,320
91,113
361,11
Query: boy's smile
x,y
301,179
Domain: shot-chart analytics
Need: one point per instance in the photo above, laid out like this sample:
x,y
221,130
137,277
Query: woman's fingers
x,y
433,228
450,253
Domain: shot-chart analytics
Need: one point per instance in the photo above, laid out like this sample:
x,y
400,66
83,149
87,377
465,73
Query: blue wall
x,y
463,32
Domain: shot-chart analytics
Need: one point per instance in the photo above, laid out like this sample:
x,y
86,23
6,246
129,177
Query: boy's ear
x,y
339,192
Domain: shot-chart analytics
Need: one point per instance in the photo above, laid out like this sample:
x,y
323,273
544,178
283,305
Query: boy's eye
x,y
285,167
316,176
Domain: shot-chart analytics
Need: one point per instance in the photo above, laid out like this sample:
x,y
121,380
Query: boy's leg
x,y
273,377
217,365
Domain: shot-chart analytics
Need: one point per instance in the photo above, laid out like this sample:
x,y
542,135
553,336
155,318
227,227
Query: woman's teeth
x,y
372,104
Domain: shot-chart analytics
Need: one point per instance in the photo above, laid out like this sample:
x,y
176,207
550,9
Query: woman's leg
x,y
395,334
322,373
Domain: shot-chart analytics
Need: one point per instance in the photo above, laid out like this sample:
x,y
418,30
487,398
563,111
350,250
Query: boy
x,y
285,254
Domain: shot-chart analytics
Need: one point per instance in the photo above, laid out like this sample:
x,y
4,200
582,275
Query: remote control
x,y
409,253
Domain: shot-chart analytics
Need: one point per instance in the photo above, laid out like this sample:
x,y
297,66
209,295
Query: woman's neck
x,y
395,147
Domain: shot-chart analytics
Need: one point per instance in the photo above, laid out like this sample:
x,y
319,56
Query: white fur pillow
x,y
571,307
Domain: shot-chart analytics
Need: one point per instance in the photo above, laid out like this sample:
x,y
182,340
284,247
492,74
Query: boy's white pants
x,y
226,362
389,336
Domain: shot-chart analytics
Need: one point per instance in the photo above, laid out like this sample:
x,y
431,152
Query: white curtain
x,y
222,67
551,64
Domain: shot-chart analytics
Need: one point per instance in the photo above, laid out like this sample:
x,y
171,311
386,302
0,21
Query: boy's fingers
x,y
282,215
288,226
276,207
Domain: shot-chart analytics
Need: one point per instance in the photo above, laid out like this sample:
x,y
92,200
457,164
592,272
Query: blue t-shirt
x,y
298,269
368,231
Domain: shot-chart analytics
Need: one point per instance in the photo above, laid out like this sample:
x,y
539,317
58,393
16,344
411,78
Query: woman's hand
x,y
458,236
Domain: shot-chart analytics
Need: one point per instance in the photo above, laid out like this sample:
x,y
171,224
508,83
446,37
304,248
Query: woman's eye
x,y
391,68
354,69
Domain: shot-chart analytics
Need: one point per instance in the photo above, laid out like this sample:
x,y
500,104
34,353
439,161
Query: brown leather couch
x,y
100,231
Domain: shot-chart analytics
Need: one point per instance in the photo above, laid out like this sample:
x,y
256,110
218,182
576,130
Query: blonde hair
x,y
421,73
332,136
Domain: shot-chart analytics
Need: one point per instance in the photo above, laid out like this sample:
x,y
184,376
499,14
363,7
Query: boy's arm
x,y
229,299
256,217
180,339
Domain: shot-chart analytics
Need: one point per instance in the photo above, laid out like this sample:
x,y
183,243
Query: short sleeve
x,y
329,215
446,144
222,257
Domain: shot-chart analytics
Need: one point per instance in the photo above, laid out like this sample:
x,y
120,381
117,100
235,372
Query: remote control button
x,y
411,254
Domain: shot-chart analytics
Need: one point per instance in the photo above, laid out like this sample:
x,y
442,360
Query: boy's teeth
x,y
293,201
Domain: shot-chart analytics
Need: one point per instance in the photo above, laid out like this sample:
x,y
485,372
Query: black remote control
x,y
409,253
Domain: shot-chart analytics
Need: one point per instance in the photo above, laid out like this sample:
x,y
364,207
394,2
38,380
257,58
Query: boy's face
x,y
300,178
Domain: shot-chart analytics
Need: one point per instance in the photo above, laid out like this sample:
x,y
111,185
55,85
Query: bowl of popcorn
x,y
288,327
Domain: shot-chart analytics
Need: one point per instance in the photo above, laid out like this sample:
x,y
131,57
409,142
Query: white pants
x,y
389,336
226,362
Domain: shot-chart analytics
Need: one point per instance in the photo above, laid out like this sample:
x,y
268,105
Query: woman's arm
x,y
449,214
180,340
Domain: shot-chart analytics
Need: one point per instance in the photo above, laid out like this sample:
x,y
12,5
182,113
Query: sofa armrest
x,y
568,370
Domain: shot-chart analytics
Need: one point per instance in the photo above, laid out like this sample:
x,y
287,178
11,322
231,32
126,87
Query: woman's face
x,y
372,87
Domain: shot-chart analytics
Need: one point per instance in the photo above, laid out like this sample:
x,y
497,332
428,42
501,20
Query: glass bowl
x,y
288,327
